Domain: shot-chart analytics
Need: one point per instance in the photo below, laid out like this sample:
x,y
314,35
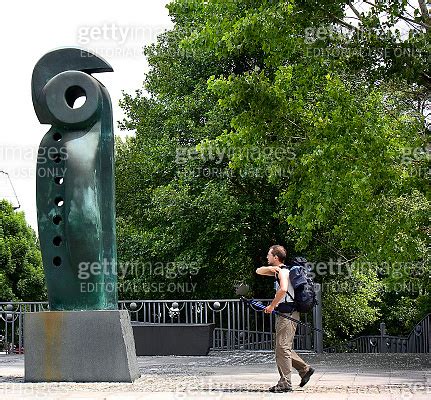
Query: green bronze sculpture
x,y
75,181
84,337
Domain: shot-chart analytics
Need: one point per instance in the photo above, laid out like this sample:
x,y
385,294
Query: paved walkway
x,y
240,375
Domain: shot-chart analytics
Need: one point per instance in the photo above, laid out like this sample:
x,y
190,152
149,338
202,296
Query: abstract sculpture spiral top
x,y
75,181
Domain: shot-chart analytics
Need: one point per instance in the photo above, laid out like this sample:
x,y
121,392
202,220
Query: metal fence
x,y
237,326
418,341
11,324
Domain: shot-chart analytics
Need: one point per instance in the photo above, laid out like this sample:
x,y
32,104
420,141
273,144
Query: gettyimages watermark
x,y
133,287
159,271
32,172
39,390
158,287
137,269
30,161
336,44
204,387
219,155
224,172
341,267
338,52
417,161
326,33
402,277
111,39
32,154
353,287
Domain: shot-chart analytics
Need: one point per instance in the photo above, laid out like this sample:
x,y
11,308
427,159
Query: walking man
x,y
285,356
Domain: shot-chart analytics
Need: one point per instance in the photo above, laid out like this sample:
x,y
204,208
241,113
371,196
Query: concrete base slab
x,y
79,346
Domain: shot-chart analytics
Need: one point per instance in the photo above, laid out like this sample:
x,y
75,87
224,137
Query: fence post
x,y
382,337
317,320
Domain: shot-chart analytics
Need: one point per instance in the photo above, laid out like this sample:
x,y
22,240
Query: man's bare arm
x,y
270,270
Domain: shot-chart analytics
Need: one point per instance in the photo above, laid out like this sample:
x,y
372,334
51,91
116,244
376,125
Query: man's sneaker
x,y
306,377
280,389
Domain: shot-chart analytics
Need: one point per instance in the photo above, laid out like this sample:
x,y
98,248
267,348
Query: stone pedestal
x,y
79,346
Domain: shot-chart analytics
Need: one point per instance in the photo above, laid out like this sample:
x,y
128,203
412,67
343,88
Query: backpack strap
x,y
288,288
290,295
282,266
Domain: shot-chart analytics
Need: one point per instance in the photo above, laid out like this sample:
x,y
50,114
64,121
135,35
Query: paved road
x,y
240,375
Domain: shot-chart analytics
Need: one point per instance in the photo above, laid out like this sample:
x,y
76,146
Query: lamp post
x,y
13,189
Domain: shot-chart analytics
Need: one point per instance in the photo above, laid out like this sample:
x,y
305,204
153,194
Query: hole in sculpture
x,y
75,97
57,219
57,241
59,180
57,136
56,261
56,158
59,201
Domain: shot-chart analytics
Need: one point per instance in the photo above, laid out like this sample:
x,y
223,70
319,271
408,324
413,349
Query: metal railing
x,y
417,342
237,326
11,324
372,344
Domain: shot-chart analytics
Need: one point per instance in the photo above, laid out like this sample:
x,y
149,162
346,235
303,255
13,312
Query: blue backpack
x,y
303,285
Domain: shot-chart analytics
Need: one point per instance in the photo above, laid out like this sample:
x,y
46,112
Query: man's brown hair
x,y
278,251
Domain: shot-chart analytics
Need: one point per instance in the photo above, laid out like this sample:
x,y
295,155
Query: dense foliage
x,y
266,122
21,272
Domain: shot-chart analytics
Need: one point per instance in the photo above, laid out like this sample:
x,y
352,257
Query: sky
x,y
115,30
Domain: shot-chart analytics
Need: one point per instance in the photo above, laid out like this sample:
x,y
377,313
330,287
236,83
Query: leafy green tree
x,y
253,130
21,272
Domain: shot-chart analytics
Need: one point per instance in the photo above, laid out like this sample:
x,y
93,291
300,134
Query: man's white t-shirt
x,y
290,291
